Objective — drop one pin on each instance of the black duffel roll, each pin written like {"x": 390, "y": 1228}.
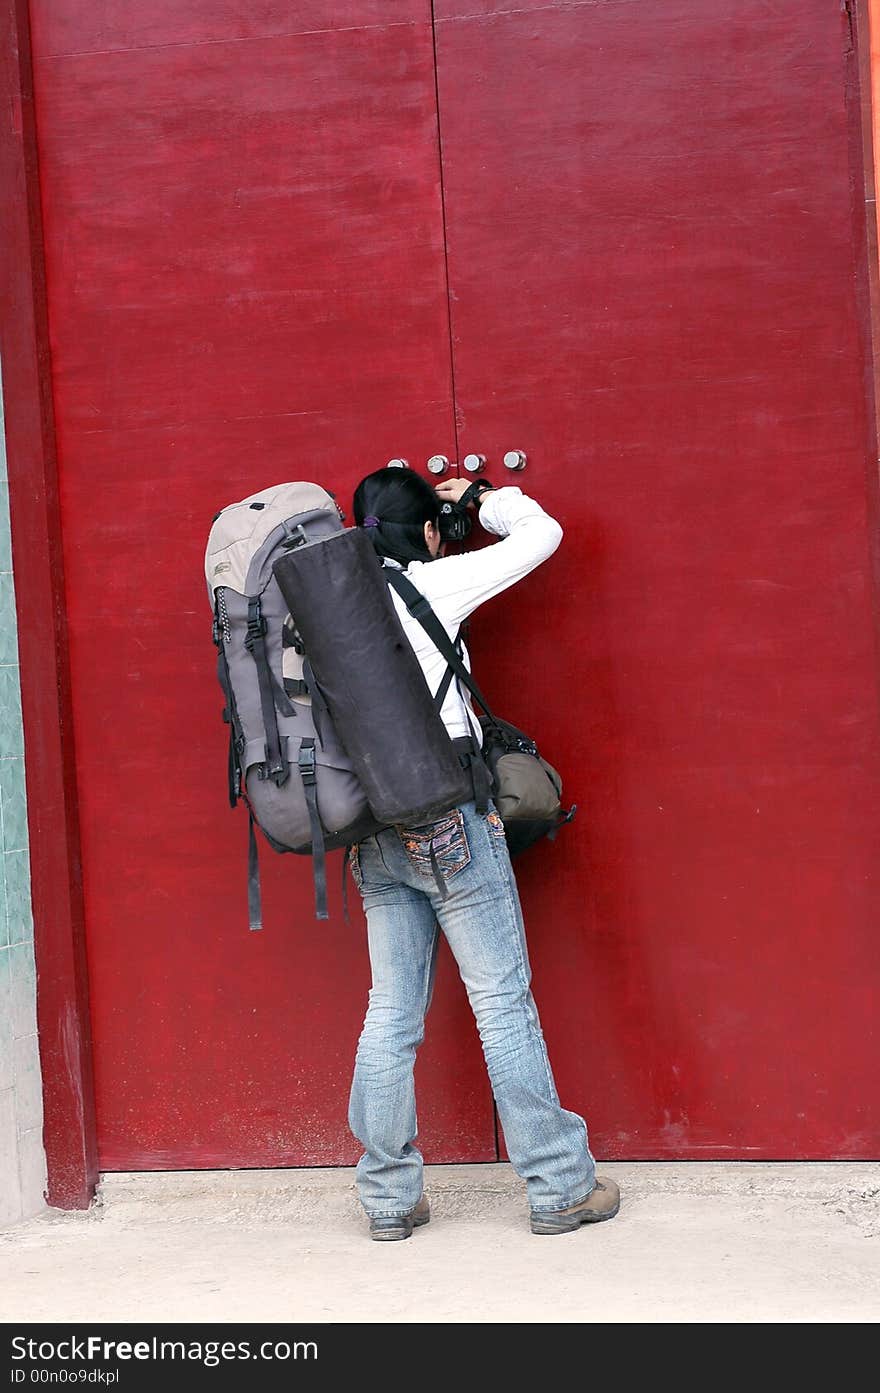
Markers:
{"x": 364, "y": 668}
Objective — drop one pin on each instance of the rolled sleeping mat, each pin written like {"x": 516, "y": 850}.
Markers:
{"x": 366, "y": 671}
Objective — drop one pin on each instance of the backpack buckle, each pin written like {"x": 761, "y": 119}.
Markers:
{"x": 306, "y": 762}
{"x": 256, "y": 624}
{"x": 293, "y": 536}
{"x": 256, "y": 629}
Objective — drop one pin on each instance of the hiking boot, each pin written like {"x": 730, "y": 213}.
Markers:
{"x": 602, "y": 1203}
{"x": 388, "y": 1227}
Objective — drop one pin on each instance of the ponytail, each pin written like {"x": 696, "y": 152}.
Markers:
{"x": 393, "y": 505}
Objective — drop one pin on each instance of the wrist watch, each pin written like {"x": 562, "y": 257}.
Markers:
{"x": 474, "y": 492}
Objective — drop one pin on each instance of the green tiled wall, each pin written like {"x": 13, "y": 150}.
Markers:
{"x": 22, "y": 1163}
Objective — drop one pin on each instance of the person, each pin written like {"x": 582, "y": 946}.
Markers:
{"x": 479, "y": 912}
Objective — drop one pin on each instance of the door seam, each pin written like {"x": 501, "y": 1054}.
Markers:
{"x": 445, "y": 238}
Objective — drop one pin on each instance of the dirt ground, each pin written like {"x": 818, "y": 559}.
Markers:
{"x": 700, "y": 1242}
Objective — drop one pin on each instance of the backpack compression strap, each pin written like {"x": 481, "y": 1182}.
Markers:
{"x": 272, "y": 694}
{"x": 310, "y": 788}
{"x": 255, "y": 899}
{"x": 230, "y": 715}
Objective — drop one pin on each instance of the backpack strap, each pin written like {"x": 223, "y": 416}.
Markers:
{"x": 282, "y": 696}
{"x": 277, "y": 767}
{"x": 230, "y": 712}
{"x": 420, "y": 608}
{"x": 308, "y": 775}
{"x": 255, "y": 907}
{"x": 320, "y": 709}
{"x": 446, "y": 683}
{"x": 234, "y": 775}
{"x": 230, "y": 715}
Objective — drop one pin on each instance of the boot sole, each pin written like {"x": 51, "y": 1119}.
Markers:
{"x": 544, "y": 1223}
{"x": 394, "y": 1235}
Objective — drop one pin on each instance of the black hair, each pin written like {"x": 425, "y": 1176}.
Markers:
{"x": 403, "y": 502}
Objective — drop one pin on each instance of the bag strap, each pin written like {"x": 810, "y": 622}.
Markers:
{"x": 230, "y": 715}
{"x": 230, "y": 711}
{"x": 445, "y": 684}
{"x": 420, "y": 609}
{"x": 320, "y": 709}
{"x": 255, "y": 908}
{"x": 277, "y": 767}
{"x": 308, "y": 775}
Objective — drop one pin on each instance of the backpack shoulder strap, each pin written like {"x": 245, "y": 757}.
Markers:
{"x": 446, "y": 681}
{"x": 420, "y": 608}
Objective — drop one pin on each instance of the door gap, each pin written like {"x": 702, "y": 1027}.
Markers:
{"x": 445, "y": 247}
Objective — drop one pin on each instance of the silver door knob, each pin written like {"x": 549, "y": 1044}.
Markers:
{"x": 397, "y": 464}
{"x": 474, "y": 463}
{"x": 438, "y": 464}
{"x": 515, "y": 459}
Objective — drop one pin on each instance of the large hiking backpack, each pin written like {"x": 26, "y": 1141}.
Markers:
{"x": 311, "y": 783}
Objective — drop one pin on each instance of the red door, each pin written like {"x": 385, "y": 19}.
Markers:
{"x": 654, "y": 253}
{"x": 246, "y": 282}
{"x": 652, "y": 257}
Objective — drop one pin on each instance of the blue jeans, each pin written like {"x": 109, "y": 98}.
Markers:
{"x": 482, "y": 920}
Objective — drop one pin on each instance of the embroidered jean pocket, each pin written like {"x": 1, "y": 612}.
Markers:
{"x": 447, "y": 837}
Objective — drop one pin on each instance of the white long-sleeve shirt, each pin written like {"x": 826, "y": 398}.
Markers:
{"x": 456, "y": 585}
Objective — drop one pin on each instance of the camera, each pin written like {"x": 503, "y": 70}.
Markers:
{"x": 455, "y": 520}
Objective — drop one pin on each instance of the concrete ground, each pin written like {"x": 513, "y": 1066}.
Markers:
{"x": 700, "y": 1242}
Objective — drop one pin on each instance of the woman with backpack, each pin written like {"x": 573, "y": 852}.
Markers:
{"x": 397, "y": 870}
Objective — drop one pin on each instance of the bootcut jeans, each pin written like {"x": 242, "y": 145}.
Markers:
{"x": 482, "y": 920}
